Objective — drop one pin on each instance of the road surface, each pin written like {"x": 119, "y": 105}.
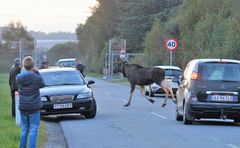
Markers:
{"x": 143, "y": 125}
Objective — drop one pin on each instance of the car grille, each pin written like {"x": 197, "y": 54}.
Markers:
{"x": 62, "y": 98}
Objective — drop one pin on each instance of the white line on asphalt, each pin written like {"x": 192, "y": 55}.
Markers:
{"x": 107, "y": 93}
{"x": 213, "y": 138}
{"x": 233, "y": 146}
{"x": 161, "y": 116}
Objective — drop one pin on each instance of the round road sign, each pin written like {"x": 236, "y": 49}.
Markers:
{"x": 171, "y": 44}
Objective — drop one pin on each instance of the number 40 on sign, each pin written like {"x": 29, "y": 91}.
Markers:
{"x": 171, "y": 44}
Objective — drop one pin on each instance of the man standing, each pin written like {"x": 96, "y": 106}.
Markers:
{"x": 80, "y": 67}
{"x": 45, "y": 65}
{"x": 30, "y": 103}
{"x": 16, "y": 69}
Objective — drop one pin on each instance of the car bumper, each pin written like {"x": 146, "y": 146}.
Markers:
{"x": 214, "y": 110}
{"x": 161, "y": 91}
{"x": 78, "y": 106}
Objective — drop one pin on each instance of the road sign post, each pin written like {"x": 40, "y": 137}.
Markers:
{"x": 171, "y": 44}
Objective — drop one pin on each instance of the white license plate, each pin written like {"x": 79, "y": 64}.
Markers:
{"x": 61, "y": 106}
{"x": 221, "y": 98}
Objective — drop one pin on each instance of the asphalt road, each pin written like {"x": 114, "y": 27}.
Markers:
{"x": 143, "y": 125}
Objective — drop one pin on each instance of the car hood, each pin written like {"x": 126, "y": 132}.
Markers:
{"x": 63, "y": 90}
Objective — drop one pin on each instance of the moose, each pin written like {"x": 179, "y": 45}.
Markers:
{"x": 142, "y": 76}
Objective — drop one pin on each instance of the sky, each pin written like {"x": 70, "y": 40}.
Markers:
{"x": 46, "y": 15}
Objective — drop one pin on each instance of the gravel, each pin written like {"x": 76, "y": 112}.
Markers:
{"x": 55, "y": 134}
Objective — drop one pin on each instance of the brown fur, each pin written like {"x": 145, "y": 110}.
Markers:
{"x": 139, "y": 75}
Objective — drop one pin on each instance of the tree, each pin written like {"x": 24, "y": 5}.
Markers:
{"x": 16, "y": 32}
{"x": 61, "y": 51}
{"x": 137, "y": 17}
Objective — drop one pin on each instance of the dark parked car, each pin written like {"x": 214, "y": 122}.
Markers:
{"x": 66, "y": 92}
{"x": 209, "y": 88}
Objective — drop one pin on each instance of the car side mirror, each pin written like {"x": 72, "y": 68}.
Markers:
{"x": 90, "y": 82}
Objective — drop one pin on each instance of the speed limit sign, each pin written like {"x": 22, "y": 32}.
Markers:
{"x": 171, "y": 44}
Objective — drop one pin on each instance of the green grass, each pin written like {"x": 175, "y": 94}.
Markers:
{"x": 9, "y": 132}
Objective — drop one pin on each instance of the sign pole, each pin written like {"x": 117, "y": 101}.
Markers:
{"x": 109, "y": 57}
{"x": 170, "y": 58}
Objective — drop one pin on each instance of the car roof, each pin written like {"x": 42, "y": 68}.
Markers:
{"x": 57, "y": 69}
{"x": 168, "y": 67}
{"x": 70, "y": 59}
{"x": 215, "y": 60}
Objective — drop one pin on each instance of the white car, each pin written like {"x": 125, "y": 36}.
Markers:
{"x": 67, "y": 62}
{"x": 170, "y": 73}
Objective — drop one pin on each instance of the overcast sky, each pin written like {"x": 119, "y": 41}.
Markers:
{"x": 46, "y": 15}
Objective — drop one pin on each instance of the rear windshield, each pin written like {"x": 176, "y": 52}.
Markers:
{"x": 67, "y": 64}
{"x": 220, "y": 71}
{"x": 62, "y": 78}
{"x": 172, "y": 72}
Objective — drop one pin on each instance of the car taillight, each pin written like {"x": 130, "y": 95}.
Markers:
{"x": 194, "y": 75}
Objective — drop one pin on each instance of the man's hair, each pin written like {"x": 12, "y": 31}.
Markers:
{"x": 28, "y": 63}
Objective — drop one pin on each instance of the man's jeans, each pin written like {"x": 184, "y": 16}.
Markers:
{"x": 29, "y": 125}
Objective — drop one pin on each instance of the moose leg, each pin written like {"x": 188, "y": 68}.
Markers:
{"x": 171, "y": 91}
{"x": 131, "y": 94}
{"x": 142, "y": 92}
{"x": 166, "y": 97}
{"x": 167, "y": 88}
{"x": 150, "y": 91}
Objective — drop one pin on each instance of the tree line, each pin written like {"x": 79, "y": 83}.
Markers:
{"x": 204, "y": 29}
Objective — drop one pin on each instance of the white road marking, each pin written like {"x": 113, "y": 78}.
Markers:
{"x": 161, "y": 116}
{"x": 107, "y": 93}
{"x": 233, "y": 146}
{"x": 213, "y": 138}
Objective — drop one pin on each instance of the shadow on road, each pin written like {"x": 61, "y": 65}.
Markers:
{"x": 215, "y": 123}
{"x": 58, "y": 118}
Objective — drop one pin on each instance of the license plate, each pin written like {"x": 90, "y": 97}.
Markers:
{"x": 221, "y": 98}
{"x": 61, "y": 106}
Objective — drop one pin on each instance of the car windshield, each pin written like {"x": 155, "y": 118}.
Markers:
{"x": 220, "y": 71}
{"x": 62, "y": 78}
{"x": 172, "y": 72}
{"x": 67, "y": 64}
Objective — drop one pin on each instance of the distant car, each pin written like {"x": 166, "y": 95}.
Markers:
{"x": 66, "y": 92}
{"x": 66, "y": 62}
{"x": 209, "y": 89}
{"x": 170, "y": 73}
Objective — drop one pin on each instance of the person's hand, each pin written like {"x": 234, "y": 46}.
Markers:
{"x": 35, "y": 70}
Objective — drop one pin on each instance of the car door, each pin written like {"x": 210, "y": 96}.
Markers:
{"x": 184, "y": 85}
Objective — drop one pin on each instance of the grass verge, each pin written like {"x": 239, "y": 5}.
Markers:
{"x": 9, "y": 132}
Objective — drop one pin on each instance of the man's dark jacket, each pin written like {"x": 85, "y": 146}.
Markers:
{"x": 12, "y": 78}
{"x": 29, "y": 84}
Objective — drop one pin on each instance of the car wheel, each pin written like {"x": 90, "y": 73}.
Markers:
{"x": 186, "y": 115}
{"x": 92, "y": 113}
{"x": 178, "y": 116}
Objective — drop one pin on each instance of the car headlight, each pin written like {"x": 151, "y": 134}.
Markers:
{"x": 84, "y": 95}
{"x": 43, "y": 99}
